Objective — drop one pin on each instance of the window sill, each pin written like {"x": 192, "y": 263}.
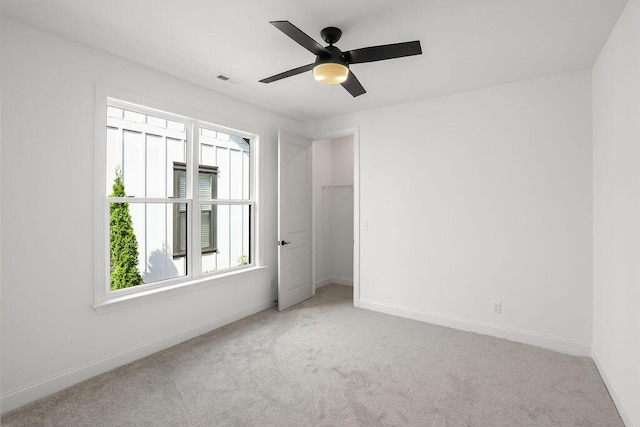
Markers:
{"x": 154, "y": 294}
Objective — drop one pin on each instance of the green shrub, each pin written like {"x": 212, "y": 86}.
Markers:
{"x": 123, "y": 245}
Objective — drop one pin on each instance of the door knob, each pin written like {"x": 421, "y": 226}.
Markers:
{"x": 282, "y": 243}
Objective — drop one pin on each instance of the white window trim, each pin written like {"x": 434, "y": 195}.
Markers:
{"x": 105, "y": 300}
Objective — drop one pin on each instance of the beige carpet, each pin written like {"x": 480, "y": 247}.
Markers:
{"x": 325, "y": 363}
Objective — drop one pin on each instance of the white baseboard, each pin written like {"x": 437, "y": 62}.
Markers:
{"x": 613, "y": 391}
{"x": 31, "y": 392}
{"x": 560, "y": 344}
{"x": 336, "y": 280}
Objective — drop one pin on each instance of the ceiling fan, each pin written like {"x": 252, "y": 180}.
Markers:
{"x": 332, "y": 65}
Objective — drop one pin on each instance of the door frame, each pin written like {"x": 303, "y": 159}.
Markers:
{"x": 355, "y": 134}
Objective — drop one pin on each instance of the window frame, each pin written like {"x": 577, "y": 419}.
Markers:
{"x": 106, "y": 300}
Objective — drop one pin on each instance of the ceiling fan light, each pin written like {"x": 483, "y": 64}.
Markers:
{"x": 330, "y": 73}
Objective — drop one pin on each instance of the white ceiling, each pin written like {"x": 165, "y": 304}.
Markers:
{"x": 467, "y": 44}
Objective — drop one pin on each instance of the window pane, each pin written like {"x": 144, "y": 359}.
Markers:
{"x": 156, "y": 121}
{"x": 231, "y": 235}
{"x": 134, "y": 117}
{"x": 230, "y": 153}
{"x": 181, "y": 237}
{"x": 205, "y": 228}
{"x": 205, "y": 185}
{"x": 156, "y": 166}
{"x": 133, "y": 162}
{"x": 181, "y": 187}
{"x": 141, "y": 242}
{"x": 176, "y": 155}
{"x": 180, "y": 218}
{"x": 175, "y": 126}
{"x": 114, "y": 157}
{"x": 143, "y": 148}
{"x": 208, "y": 133}
{"x": 114, "y": 112}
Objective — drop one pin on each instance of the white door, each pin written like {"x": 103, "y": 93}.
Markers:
{"x": 294, "y": 220}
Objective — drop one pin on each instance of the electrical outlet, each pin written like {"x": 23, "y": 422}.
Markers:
{"x": 273, "y": 283}
{"x": 496, "y": 306}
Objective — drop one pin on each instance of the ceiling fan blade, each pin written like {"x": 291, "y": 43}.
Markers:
{"x": 289, "y": 73}
{"x": 353, "y": 86}
{"x": 300, "y": 37}
{"x": 379, "y": 53}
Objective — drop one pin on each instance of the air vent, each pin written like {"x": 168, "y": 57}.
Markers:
{"x": 227, "y": 79}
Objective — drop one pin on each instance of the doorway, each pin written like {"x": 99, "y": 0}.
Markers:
{"x": 333, "y": 211}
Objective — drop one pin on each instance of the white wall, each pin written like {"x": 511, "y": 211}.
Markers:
{"x": 342, "y": 161}
{"x": 616, "y": 132}
{"x": 481, "y": 196}
{"x": 51, "y": 335}
{"x": 333, "y": 211}
{"x": 321, "y": 153}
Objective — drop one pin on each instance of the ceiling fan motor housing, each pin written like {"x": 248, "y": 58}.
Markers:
{"x": 335, "y": 58}
{"x": 331, "y": 35}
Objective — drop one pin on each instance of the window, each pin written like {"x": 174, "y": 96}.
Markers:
{"x": 207, "y": 189}
{"x": 178, "y": 199}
